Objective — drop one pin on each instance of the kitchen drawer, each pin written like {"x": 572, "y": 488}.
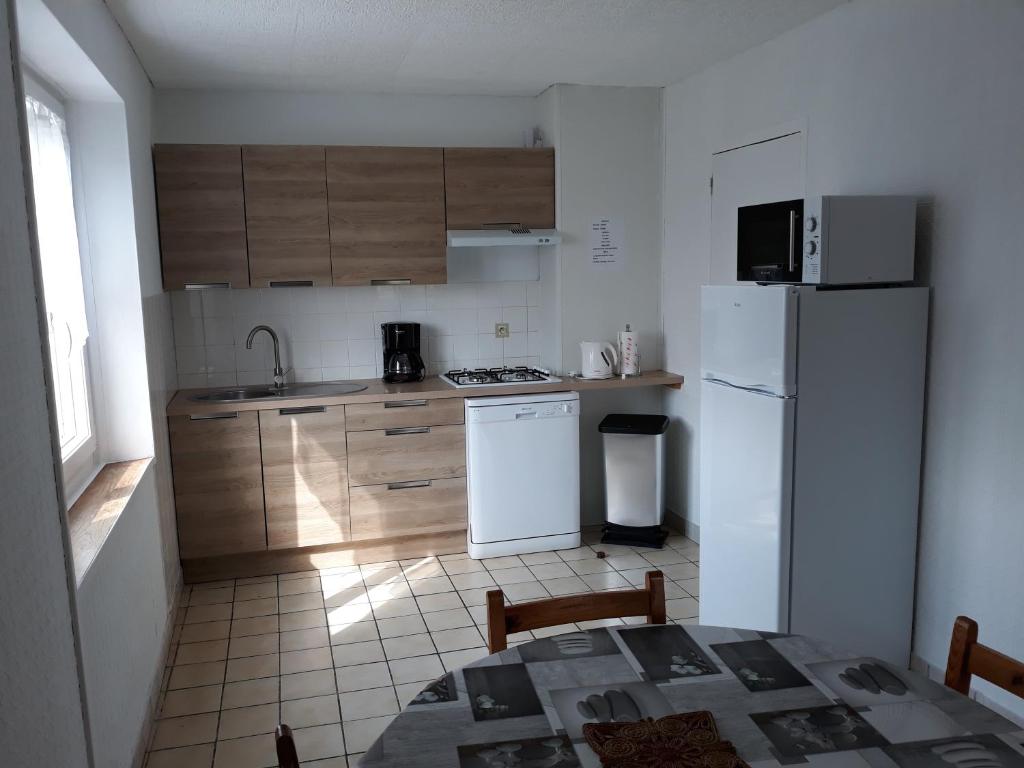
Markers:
{"x": 404, "y": 413}
{"x": 406, "y": 453}
{"x": 406, "y": 509}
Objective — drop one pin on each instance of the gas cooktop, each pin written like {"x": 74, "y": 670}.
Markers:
{"x": 493, "y": 377}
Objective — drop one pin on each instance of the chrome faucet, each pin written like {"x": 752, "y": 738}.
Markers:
{"x": 278, "y": 370}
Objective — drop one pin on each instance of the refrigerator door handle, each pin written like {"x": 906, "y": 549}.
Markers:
{"x": 754, "y": 390}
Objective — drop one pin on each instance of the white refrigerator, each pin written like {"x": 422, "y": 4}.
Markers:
{"x": 810, "y": 453}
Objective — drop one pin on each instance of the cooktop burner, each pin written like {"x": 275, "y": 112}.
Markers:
{"x": 484, "y": 377}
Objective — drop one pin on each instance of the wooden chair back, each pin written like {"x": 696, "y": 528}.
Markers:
{"x": 504, "y": 620}
{"x": 968, "y": 657}
{"x": 286, "y": 756}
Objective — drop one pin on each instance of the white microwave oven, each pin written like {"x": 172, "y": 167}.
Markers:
{"x": 827, "y": 240}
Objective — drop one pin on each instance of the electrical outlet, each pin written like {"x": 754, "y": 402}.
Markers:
{"x": 501, "y": 331}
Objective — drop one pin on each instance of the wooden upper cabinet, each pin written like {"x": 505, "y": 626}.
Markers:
{"x": 485, "y": 187}
{"x": 201, "y": 212}
{"x": 286, "y": 215}
{"x": 387, "y": 214}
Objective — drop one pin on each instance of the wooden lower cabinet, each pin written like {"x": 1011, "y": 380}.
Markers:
{"x": 305, "y": 476}
{"x": 407, "y": 453}
{"x": 218, "y": 484}
{"x": 404, "y": 413}
{"x": 416, "y": 507}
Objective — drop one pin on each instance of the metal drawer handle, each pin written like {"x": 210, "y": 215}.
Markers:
{"x": 392, "y": 281}
{"x": 406, "y": 431}
{"x": 211, "y": 416}
{"x": 404, "y": 403}
{"x": 290, "y": 283}
{"x": 201, "y": 286}
{"x": 302, "y": 409}
{"x": 409, "y": 484}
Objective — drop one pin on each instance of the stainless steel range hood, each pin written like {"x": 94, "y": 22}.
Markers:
{"x": 482, "y": 238}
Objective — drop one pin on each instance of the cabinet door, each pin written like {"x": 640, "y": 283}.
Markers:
{"x": 386, "y": 214}
{"x": 201, "y": 212}
{"x": 305, "y": 476}
{"x": 286, "y": 215}
{"x": 218, "y": 485}
{"x": 411, "y": 508}
{"x": 485, "y": 187}
{"x": 407, "y": 453}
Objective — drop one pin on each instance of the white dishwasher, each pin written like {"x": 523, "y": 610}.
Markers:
{"x": 523, "y": 473}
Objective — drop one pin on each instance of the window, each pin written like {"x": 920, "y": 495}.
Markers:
{"x": 63, "y": 288}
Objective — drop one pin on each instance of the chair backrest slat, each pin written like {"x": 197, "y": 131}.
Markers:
{"x": 968, "y": 657}
{"x": 504, "y": 620}
{"x": 286, "y": 755}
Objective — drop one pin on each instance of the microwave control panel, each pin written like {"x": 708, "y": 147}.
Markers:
{"x": 812, "y": 241}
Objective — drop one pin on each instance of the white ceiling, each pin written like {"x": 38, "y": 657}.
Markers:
{"x": 500, "y": 47}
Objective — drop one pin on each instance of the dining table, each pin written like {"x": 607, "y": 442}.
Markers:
{"x": 776, "y": 699}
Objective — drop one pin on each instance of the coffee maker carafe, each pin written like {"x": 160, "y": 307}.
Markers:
{"x": 402, "y": 359}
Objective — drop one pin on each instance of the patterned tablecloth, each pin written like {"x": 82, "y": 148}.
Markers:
{"x": 780, "y": 699}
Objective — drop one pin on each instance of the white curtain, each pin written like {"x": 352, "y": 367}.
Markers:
{"x": 55, "y": 220}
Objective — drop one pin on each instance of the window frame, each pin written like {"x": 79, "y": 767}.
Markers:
{"x": 82, "y": 463}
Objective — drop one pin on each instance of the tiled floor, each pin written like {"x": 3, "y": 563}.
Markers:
{"x": 336, "y": 653}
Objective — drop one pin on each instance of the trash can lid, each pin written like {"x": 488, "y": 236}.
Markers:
{"x": 634, "y": 424}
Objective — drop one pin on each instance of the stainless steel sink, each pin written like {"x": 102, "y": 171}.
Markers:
{"x": 288, "y": 392}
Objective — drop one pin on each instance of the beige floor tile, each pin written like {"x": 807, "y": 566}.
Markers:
{"x": 303, "y": 639}
{"x": 433, "y": 585}
{"x": 201, "y": 613}
{"x": 683, "y": 608}
{"x": 559, "y": 629}
{"x": 673, "y": 591}
{"x": 408, "y": 645}
{"x": 661, "y": 557}
{"x": 248, "y": 693}
{"x": 249, "y": 752}
{"x": 248, "y": 721}
{"x": 185, "y": 731}
{"x": 516, "y": 575}
{"x": 264, "y": 606}
{"x": 296, "y": 575}
{"x": 680, "y": 571}
{"x": 304, "y": 602}
{"x": 360, "y": 734}
{"x": 317, "y": 710}
{"x": 254, "y": 645}
{"x": 256, "y": 580}
{"x": 456, "y": 639}
{"x": 303, "y": 620}
{"x": 338, "y": 569}
{"x": 526, "y": 590}
{"x": 192, "y": 675}
{"x": 357, "y": 653}
{"x": 473, "y": 580}
{"x": 456, "y": 567}
{"x": 405, "y": 692}
{"x": 196, "y": 653}
{"x": 391, "y": 590}
{"x": 539, "y": 558}
{"x": 453, "y": 660}
{"x": 442, "y": 601}
{"x": 382, "y": 575}
{"x": 261, "y": 590}
{"x": 606, "y": 580}
{"x": 200, "y": 756}
{"x": 212, "y": 596}
{"x": 570, "y": 585}
{"x": 628, "y": 562}
{"x": 450, "y": 619}
{"x": 257, "y": 625}
{"x": 496, "y": 563}
{"x": 191, "y": 701}
{"x": 363, "y": 676}
{"x": 414, "y": 560}
{"x": 350, "y": 596}
{"x": 557, "y": 570}
{"x": 423, "y": 569}
{"x": 453, "y": 556}
{"x": 636, "y": 577}
{"x": 213, "y": 584}
{"x": 479, "y": 614}
{"x": 359, "y": 705}
{"x": 475, "y": 597}
{"x": 349, "y": 614}
{"x": 319, "y": 741}
{"x": 305, "y": 685}
{"x": 253, "y": 668}
{"x": 299, "y": 586}
{"x": 334, "y": 582}
{"x": 692, "y": 586}
{"x": 416, "y": 669}
{"x": 590, "y": 565}
{"x": 306, "y": 661}
{"x": 390, "y": 608}
{"x": 360, "y": 632}
{"x": 580, "y": 553}
{"x": 403, "y": 625}
{"x": 208, "y": 630}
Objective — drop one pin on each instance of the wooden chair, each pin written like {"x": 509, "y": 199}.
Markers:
{"x": 286, "y": 755}
{"x": 503, "y": 620}
{"x": 969, "y": 657}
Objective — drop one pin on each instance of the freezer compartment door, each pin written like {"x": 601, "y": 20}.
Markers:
{"x": 746, "y": 450}
{"x": 749, "y": 335}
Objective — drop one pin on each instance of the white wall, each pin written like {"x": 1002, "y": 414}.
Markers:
{"x": 920, "y": 97}
{"x": 40, "y": 708}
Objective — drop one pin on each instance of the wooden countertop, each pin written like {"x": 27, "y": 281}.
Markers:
{"x": 430, "y": 388}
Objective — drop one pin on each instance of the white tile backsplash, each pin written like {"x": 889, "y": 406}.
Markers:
{"x": 334, "y": 333}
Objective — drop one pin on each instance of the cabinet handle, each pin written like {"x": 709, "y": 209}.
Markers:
{"x": 404, "y": 403}
{"x": 302, "y": 409}
{"x": 409, "y": 484}
{"x": 392, "y": 281}
{"x": 290, "y": 283}
{"x": 201, "y": 286}
{"x": 211, "y": 416}
{"x": 406, "y": 431}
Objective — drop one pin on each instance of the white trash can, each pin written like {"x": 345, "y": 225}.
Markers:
{"x": 634, "y": 479}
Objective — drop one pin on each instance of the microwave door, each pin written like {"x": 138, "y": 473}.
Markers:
{"x": 769, "y": 242}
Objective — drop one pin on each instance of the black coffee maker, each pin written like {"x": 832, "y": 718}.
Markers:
{"x": 402, "y": 360}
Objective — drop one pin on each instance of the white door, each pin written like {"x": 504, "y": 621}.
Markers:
{"x": 766, "y": 172}
{"x": 745, "y": 509}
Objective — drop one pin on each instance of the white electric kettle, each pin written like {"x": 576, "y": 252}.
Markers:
{"x": 599, "y": 360}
